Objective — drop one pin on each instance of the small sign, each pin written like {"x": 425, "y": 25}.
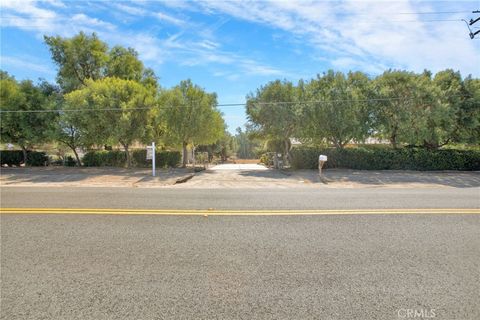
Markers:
{"x": 322, "y": 158}
{"x": 149, "y": 153}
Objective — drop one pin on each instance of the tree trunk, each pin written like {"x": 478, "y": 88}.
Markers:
{"x": 393, "y": 141}
{"x": 79, "y": 163}
{"x": 393, "y": 137}
{"x": 287, "y": 152}
{"x": 24, "y": 150}
{"x": 125, "y": 147}
{"x": 184, "y": 153}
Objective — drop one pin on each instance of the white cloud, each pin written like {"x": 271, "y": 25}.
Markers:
{"x": 28, "y": 15}
{"x": 366, "y": 35}
{"x": 55, "y": 3}
{"x": 167, "y": 18}
{"x": 134, "y": 11}
{"x": 139, "y": 12}
{"x": 82, "y": 19}
{"x": 25, "y": 62}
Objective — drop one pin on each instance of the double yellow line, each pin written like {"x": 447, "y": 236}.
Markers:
{"x": 214, "y": 212}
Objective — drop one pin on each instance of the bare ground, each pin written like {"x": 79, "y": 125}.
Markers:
{"x": 234, "y": 176}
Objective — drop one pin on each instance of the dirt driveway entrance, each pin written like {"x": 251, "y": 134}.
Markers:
{"x": 242, "y": 176}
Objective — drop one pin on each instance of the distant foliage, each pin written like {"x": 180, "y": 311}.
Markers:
{"x": 383, "y": 158}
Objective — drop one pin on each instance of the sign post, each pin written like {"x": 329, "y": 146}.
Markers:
{"x": 151, "y": 156}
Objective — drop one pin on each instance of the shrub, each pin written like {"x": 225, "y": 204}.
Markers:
{"x": 139, "y": 158}
{"x": 11, "y": 157}
{"x": 169, "y": 159}
{"x": 118, "y": 158}
{"x": 36, "y": 159}
{"x": 15, "y": 157}
{"x": 70, "y": 162}
{"x": 113, "y": 158}
{"x": 386, "y": 159}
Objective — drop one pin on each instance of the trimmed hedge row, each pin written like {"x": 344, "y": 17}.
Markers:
{"x": 118, "y": 158}
{"x": 387, "y": 159}
{"x": 15, "y": 157}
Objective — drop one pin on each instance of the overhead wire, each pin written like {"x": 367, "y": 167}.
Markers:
{"x": 220, "y": 105}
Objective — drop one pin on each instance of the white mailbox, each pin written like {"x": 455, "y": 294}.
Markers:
{"x": 321, "y": 160}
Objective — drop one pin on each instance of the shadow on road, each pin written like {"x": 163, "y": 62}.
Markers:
{"x": 461, "y": 179}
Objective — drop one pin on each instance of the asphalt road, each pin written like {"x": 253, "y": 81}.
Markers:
{"x": 76, "y": 266}
{"x": 232, "y": 267}
{"x": 295, "y": 198}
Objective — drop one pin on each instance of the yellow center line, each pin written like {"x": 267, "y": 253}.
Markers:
{"x": 113, "y": 211}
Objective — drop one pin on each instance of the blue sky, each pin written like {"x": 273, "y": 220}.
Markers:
{"x": 233, "y": 47}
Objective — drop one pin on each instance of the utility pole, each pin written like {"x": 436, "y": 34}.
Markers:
{"x": 471, "y": 23}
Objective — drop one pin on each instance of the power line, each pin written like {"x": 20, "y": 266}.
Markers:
{"x": 223, "y": 105}
{"x": 432, "y": 12}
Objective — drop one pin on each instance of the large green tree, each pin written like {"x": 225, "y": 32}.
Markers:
{"x": 27, "y": 116}
{"x": 124, "y": 63}
{"x": 336, "y": 108}
{"x": 272, "y": 113}
{"x": 111, "y": 110}
{"x": 84, "y": 57}
{"x": 79, "y": 58}
{"x": 468, "y": 116}
{"x": 396, "y": 94}
{"x": 187, "y": 115}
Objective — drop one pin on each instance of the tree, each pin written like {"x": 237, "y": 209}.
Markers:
{"x": 78, "y": 58}
{"x": 69, "y": 133}
{"x": 468, "y": 116}
{"x": 24, "y": 127}
{"x": 460, "y": 112}
{"x": 336, "y": 108}
{"x": 111, "y": 110}
{"x": 124, "y": 63}
{"x": 245, "y": 146}
{"x": 396, "y": 94}
{"x": 432, "y": 120}
{"x": 272, "y": 114}
{"x": 221, "y": 148}
{"x": 187, "y": 115}
{"x": 84, "y": 57}
{"x": 427, "y": 112}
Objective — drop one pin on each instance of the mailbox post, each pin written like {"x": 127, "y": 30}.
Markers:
{"x": 321, "y": 160}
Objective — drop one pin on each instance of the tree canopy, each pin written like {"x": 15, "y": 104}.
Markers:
{"x": 84, "y": 57}
{"x": 188, "y": 116}
{"x": 27, "y": 125}
{"x": 112, "y": 110}
{"x": 405, "y": 108}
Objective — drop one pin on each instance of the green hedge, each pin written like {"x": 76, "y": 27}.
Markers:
{"x": 15, "y": 157}
{"x": 387, "y": 159}
{"x": 117, "y": 158}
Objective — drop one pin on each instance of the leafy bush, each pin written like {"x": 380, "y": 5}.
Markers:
{"x": 104, "y": 159}
{"x": 118, "y": 158}
{"x": 139, "y": 158}
{"x": 11, "y": 157}
{"x": 36, "y": 159}
{"x": 15, "y": 157}
{"x": 387, "y": 159}
{"x": 70, "y": 162}
{"x": 169, "y": 159}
